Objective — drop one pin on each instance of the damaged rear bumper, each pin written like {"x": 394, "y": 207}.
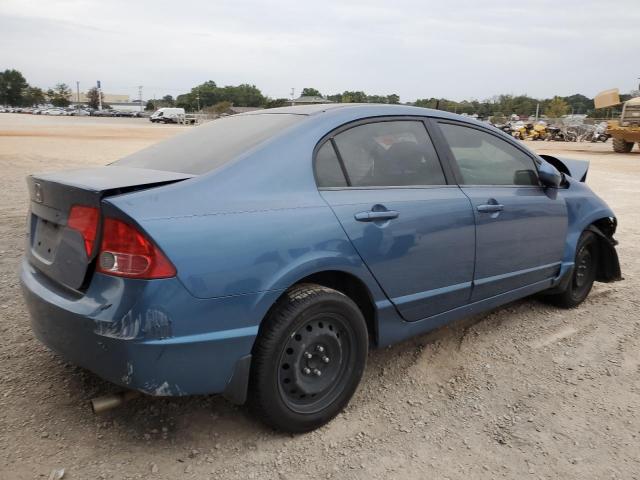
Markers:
{"x": 150, "y": 336}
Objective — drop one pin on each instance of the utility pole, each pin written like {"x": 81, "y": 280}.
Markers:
{"x": 77, "y": 94}
{"x": 99, "y": 96}
{"x": 293, "y": 94}
{"x": 140, "y": 96}
{"x": 198, "y": 99}
{"x": 537, "y": 110}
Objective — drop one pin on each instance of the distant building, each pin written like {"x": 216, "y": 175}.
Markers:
{"x": 310, "y": 100}
{"x": 114, "y": 100}
{"x": 106, "y": 98}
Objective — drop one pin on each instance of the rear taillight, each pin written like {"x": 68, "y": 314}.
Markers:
{"x": 126, "y": 252}
{"x": 85, "y": 220}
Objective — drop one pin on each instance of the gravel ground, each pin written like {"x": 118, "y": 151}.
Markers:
{"x": 526, "y": 391}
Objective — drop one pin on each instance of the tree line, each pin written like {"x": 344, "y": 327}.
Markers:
{"x": 208, "y": 96}
{"x": 16, "y": 92}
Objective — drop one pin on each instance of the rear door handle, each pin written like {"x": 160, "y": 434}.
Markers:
{"x": 490, "y": 208}
{"x": 376, "y": 216}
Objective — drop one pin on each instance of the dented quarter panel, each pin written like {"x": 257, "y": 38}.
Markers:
{"x": 106, "y": 331}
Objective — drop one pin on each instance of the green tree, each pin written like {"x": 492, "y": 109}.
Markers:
{"x": 426, "y": 102}
{"x": 310, "y": 92}
{"x": 222, "y": 107}
{"x": 209, "y": 94}
{"x": 12, "y": 87}
{"x": 556, "y": 108}
{"x": 93, "y": 98}
{"x": 33, "y": 96}
{"x": 168, "y": 101}
{"x": 354, "y": 97}
{"x": 243, "y": 95}
{"x": 377, "y": 99}
{"x": 579, "y": 103}
{"x": 59, "y": 95}
{"x": 276, "y": 102}
{"x": 393, "y": 98}
{"x": 150, "y": 106}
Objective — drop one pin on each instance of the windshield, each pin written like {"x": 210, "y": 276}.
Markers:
{"x": 211, "y": 145}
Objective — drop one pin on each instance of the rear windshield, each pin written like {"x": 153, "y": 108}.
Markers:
{"x": 211, "y": 145}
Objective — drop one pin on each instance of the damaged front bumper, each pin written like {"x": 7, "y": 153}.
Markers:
{"x": 150, "y": 336}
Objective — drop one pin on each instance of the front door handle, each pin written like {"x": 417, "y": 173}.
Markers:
{"x": 490, "y": 208}
{"x": 375, "y": 216}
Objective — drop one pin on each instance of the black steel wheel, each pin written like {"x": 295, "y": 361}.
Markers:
{"x": 584, "y": 273}
{"x": 308, "y": 359}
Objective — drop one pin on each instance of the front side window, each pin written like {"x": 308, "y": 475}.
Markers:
{"x": 484, "y": 159}
{"x": 394, "y": 153}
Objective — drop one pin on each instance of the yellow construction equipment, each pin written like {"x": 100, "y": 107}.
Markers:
{"x": 625, "y": 131}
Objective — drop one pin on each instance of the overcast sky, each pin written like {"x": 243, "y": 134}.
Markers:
{"x": 458, "y": 49}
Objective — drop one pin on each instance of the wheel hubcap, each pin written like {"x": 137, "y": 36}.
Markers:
{"x": 313, "y": 363}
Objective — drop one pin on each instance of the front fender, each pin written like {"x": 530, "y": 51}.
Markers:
{"x": 576, "y": 169}
{"x": 584, "y": 210}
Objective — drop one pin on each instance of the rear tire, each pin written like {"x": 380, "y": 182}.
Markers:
{"x": 308, "y": 359}
{"x": 622, "y": 146}
{"x": 584, "y": 273}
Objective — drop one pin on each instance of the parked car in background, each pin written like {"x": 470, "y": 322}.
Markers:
{"x": 104, "y": 113}
{"x": 167, "y": 115}
{"x": 54, "y": 111}
{"x": 261, "y": 255}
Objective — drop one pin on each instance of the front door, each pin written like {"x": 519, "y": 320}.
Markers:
{"x": 521, "y": 226}
{"x": 415, "y": 232}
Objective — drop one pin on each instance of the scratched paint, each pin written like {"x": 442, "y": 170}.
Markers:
{"x": 152, "y": 323}
{"x": 126, "y": 378}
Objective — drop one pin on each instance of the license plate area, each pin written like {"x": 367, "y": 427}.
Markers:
{"x": 45, "y": 239}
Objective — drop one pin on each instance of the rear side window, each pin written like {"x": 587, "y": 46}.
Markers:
{"x": 328, "y": 170}
{"x": 395, "y": 153}
{"x": 211, "y": 145}
{"x": 484, "y": 159}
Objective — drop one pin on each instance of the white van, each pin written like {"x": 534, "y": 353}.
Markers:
{"x": 167, "y": 115}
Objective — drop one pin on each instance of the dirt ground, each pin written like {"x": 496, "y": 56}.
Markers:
{"x": 526, "y": 391}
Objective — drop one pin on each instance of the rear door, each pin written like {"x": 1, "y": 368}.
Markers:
{"x": 521, "y": 226}
{"x": 415, "y": 232}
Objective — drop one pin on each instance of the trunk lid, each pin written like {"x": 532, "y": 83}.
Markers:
{"x": 59, "y": 251}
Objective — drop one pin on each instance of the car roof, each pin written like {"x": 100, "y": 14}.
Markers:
{"x": 374, "y": 109}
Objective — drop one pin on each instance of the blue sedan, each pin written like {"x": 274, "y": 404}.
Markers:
{"x": 260, "y": 256}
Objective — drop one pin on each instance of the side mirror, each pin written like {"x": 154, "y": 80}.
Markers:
{"x": 549, "y": 176}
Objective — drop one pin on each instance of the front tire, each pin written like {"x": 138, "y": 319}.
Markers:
{"x": 308, "y": 359}
{"x": 622, "y": 146}
{"x": 584, "y": 273}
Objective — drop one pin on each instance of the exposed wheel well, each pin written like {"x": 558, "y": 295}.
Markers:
{"x": 608, "y": 269}
{"x": 352, "y": 287}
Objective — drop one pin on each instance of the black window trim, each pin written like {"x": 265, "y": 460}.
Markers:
{"x": 448, "y": 173}
{"x": 446, "y": 150}
{"x": 338, "y": 155}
